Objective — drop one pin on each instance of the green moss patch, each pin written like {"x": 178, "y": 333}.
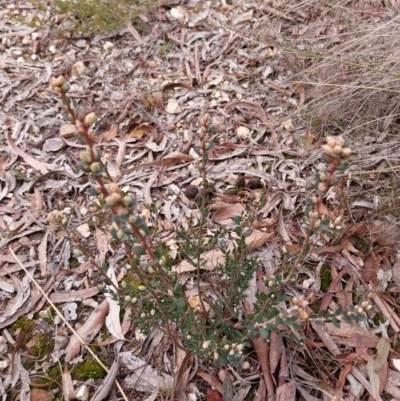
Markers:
{"x": 89, "y": 369}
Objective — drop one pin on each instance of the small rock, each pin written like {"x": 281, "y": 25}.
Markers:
{"x": 177, "y": 13}
{"x": 53, "y": 145}
{"x": 61, "y": 341}
{"x": 172, "y": 106}
{"x": 247, "y": 15}
{"x": 68, "y": 130}
{"x": 81, "y": 43}
{"x": 243, "y": 133}
{"x": 108, "y": 46}
{"x": 78, "y": 69}
{"x": 82, "y": 393}
{"x": 197, "y": 181}
{"x": 52, "y": 49}
{"x": 288, "y": 125}
{"x": 57, "y": 320}
{"x": 84, "y": 230}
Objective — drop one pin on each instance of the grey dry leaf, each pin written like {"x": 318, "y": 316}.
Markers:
{"x": 113, "y": 323}
{"x": 114, "y": 171}
{"x": 53, "y": 145}
{"x": 144, "y": 377}
{"x": 103, "y": 391}
{"x": 36, "y": 164}
{"x": 14, "y": 305}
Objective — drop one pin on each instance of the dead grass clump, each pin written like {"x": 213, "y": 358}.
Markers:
{"x": 353, "y": 81}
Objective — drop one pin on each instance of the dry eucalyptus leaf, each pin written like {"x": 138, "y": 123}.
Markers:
{"x": 111, "y": 133}
{"x": 257, "y": 239}
{"x": 228, "y": 212}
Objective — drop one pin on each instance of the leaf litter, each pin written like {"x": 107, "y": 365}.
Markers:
{"x": 229, "y": 62}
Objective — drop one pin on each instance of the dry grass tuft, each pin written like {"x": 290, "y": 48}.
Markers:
{"x": 352, "y": 82}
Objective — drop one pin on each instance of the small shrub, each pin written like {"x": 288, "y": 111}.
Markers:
{"x": 210, "y": 325}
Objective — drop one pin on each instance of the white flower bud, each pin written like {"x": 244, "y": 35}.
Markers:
{"x": 331, "y": 141}
{"x": 322, "y": 187}
{"x": 337, "y": 150}
{"x": 340, "y": 141}
{"x": 337, "y": 220}
{"x": 206, "y": 344}
{"x": 328, "y": 150}
{"x": 346, "y": 152}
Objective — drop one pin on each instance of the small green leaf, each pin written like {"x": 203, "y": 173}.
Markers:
{"x": 264, "y": 334}
{"x": 92, "y": 191}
